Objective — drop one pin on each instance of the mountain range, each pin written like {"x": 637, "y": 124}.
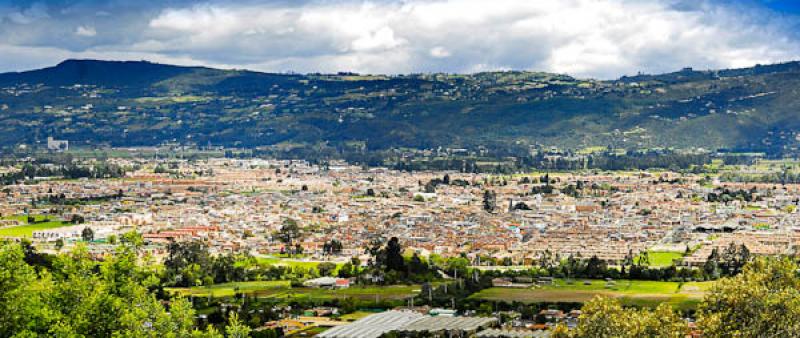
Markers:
{"x": 115, "y": 103}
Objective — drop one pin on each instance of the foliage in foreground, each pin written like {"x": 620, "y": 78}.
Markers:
{"x": 762, "y": 301}
{"x": 73, "y": 295}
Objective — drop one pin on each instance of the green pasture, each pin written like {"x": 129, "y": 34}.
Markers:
{"x": 283, "y": 290}
{"x": 630, "y": 292}
{"x": 25, "y": 230}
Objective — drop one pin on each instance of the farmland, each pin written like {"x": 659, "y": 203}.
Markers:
{"x": 292, "y": 262}
{"x": 283, "y": 290}
{"x": 638, "y": 293}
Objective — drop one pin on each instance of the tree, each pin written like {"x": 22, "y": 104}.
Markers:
{"x": 595, "y": 267}
{"x": 224, "y": 269}
{"x": 489, "y": 201}
{"x": 77, "y": 219}
{"x": 332, "y": 247}
{"x": 734, "y": 259}
{"x": 346, "y": 271}
{"x": 356, "y": 262}
{"x": 326, "y": 268}
{"x": 87, "y": 234}
{"x": 289, "y": 233}
{"x": 394, "y": 255}
{"x": 81, "y": 297}
{"x": 235, "y": 328}
{"x": 430, "y": 187}
{"x": 711, "y": 266}
{"x": 187, "y": 263}
{"x": 417, "y": 267}
{"x": 604, "y": 317}
{"x": 762, "y": 301}
{"x": 644, "y": 259}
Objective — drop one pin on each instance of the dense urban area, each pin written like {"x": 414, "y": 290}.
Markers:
{"x": 184, "y": 241}
{"x": 400, "y": 169}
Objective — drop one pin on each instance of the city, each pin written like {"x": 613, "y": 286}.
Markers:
{"x": 399, "y": 168}
{"x": 313, "y": 238}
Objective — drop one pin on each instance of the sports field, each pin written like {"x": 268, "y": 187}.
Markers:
{"x": 639, "y": 293}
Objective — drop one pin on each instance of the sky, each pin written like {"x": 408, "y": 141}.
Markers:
{"x": 601, "y": 39}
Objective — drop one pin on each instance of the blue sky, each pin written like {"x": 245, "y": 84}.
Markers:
{"x": 787, "y": 6}
{"x": 587, "y": 38}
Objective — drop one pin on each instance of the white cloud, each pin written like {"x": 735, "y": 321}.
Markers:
{"x": 440, "y": 52}
{"x": 594, "y": 38}
{"x": 86, "y": 31}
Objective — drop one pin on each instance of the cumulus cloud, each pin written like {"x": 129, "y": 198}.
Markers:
{"x": 589, "y": 38}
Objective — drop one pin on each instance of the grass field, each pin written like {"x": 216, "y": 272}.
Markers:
{"x": 308, "y": 332}
{"x": 292, "y": 262}
{"x": 662, "y": 258}
{"x": 637, "y": 293}
{"x": 282, "y": 289}
{"x": 355, "y": 315}
{"x": 26, "y": 230}
{"x": 229, "y": 289}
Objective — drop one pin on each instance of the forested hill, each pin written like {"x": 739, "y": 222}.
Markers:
{"x": 92, "y": 102}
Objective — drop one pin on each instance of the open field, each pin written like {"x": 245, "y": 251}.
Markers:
{"x": 638, "y": 293}
{"x": 662, "y": 258}
{"x": 26, "y": 230}
{"x": 293, "y": 262}
{"x": 229, "y": 289}
{"x": 281, "y": 289}
{"x": 355, "y": 315}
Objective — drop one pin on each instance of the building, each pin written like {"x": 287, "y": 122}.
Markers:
{"x": 57, "y": 145}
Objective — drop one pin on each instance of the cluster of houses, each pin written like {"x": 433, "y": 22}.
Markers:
{"x": 240, "y": 205}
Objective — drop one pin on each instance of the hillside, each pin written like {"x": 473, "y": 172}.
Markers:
{"x": 140, "y": 103}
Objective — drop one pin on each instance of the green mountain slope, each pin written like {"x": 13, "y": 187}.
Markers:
{"x": 141, "y": 103}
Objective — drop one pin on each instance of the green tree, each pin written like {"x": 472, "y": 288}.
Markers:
{"x": 394, "y": 255}
{"x": 489, "y": 201}
{"x": 326, "y": 268}
{"x": 606, "y": 318}
{"x": 87, "y": 234}
{"x": 289, "y": 234}
{"x": 187, "y": 263}
{"x": 80, "y": 297}
{"x": 762, "y": 301}
{"x": 235, "y": 328}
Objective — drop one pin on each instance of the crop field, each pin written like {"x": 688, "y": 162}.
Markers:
{"x": 635, "y": 293}
{"x": 26, "y": 230}
{"x": 282, "y": 290}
